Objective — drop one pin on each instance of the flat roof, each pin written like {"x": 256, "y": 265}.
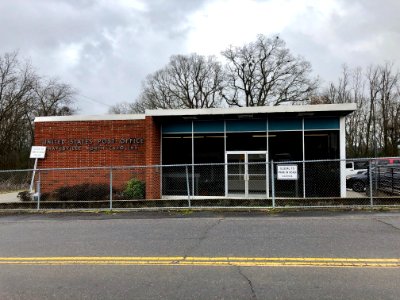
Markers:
{"x": 337, "y": 109}
{"x": 341, "y": 109}
{"x": 118, "y": 117}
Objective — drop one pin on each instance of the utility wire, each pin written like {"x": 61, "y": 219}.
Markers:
{"x": 92, "y": 100}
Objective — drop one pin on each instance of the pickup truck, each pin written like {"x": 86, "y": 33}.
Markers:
{"x": 353, "y": 168}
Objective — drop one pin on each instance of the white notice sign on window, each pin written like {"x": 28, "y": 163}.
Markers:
{"x": 287, "y": 172}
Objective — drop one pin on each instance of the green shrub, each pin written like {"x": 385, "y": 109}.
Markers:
{"x": 135, "y": 189}
{"x": 24, "y": 196}
{"x": 84, "y": 191}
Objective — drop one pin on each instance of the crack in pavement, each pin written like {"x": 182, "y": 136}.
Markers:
{"x": 253, "y": 293}
{"x": 387, "y": 223}
{"x": 203, "y": 237}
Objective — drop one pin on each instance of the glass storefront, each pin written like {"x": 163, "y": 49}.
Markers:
{"x": 246, "y": 146}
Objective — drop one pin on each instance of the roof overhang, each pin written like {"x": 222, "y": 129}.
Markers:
{"x": 77, "y": 118}
{"x": 249, "y": 112}
{"x": 235, "y": 112}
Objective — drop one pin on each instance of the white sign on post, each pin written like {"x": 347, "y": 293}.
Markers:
{"x": 287, "y": 172}
{"x": 38, "y": 152}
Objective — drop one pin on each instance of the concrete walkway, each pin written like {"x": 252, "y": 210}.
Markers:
{"x": 9, "y": 197}
{"x": 352, "y": 194}
{"x": 12, "y": 196}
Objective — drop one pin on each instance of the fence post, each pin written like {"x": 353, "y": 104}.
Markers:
{"x": 111, "y": 187}
{"x": 304, "y": 178}
{"x": 272, "y": 184}
{"x": 371, "y": 198}
{"x": 392, "y": 180}
{"x": 38, "y": 191}
{"x": 188, "y": 186}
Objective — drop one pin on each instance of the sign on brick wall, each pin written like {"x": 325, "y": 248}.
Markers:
{"x": 38, "y": 152}
{"x": 94, "y": 145}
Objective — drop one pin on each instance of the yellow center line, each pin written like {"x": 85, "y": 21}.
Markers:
{"x": 206, "y": 261}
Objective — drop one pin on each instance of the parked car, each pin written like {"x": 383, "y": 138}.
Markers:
{"x": 382, "y": 161}
{"x": 353, "y": 168}
{"x": 357, "y": 182}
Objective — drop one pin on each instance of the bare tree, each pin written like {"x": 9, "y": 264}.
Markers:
{"x": 122, "y": 108}
{"x": 16, "y": 81}
{"x": 24, "y": 95}
{"x": 192, "y": 81}
{"x": 256, "y": 74}
{"x": 374, "y": 128}
{"x": 386, "y": 104}
{"x": 129, "y": 108}
{"x": 266, "y": 73}
{"x": 49, "y": 98}
{"x": 52, "y": 98}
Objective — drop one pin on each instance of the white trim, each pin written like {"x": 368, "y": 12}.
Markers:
{"x": 342, "y": 145}
{"x": 180, "y": 197}
{"x": 193, "y": 183}
{"x": 341, "y": 109}
{"x": 344, "y": 107}
{"x": 267, "y": 163}
{"x": 226, "y": 162}
{"x": 119, "y": 117}
{"x": 304, "y": 158}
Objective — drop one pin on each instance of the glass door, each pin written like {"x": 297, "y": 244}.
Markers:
{"x": 246, "y": 173}
{"x": 236, "y": 173}
{"x": 257, "y": 173}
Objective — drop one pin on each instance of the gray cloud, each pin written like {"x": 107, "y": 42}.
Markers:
{"x": 102, "y": 48}
{"x": 360, "y": 33}
{"x": 106, "y": 48}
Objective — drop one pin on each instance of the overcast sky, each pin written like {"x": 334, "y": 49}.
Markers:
{"x": 105, "y": 48}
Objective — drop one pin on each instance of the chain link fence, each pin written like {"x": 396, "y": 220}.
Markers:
{"x": 276, "y": 184}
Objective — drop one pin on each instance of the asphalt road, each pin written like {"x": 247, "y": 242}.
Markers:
{"x": 48, "y": 239}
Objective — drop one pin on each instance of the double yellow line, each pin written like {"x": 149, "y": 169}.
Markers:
{"x": 206, "y": 261}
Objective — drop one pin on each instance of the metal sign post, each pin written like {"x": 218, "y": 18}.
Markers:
{"x": 33, "y": 176}
{"x": 36, "y": 153}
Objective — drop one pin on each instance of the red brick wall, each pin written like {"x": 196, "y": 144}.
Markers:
{"x": 153, "y": 154}
{"x": 80, "y": 144}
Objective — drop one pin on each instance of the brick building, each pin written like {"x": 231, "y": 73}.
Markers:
{"x": 192, "y": 137}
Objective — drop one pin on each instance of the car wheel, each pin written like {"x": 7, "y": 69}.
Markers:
{"x": 358, "y": 186}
